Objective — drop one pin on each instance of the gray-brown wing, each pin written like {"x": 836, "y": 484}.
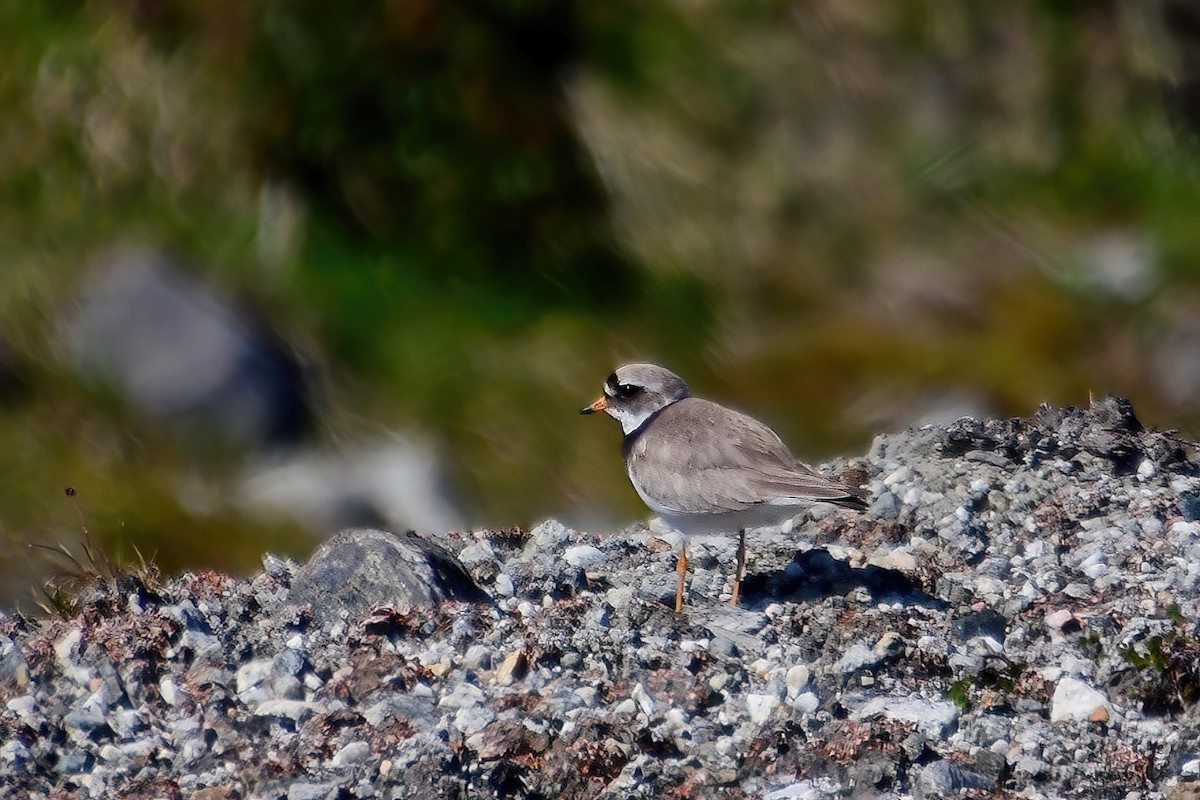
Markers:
{"x": 701, "y": 457}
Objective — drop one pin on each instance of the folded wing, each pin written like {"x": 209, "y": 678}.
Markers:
{"x": 705, "y": 458}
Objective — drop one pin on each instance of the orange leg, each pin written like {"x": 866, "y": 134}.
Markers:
{"x": 681, "y": 568}
{"x": 740, "y": 569}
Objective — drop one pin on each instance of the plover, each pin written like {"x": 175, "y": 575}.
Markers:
{"x": 704, "y": 468}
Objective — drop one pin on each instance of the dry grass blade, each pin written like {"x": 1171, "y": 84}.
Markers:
{"x": 59, "y": 593}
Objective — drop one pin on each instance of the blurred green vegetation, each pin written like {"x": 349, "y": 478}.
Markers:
{"x": 839, "y": 216}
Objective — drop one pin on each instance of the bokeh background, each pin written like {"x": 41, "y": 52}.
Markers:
{"x": 273, "y": 267}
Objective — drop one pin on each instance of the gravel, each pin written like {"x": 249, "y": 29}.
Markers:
{"x": 1016, "y": 616}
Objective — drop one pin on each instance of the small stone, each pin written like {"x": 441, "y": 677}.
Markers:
{"x": 303, "y": 790}
{"x": 23, "y": 707}
{"x": 643, "y": 699}
{"x": 626, "y": 706}
{"x": 944, "y": 779}
{"x": 465, "y": 695}
{"x": 1077, "y": 590}
{"x": 890, "y": 644}
{"x": 251, "y": 679}
{"x": 289, "y": 709}
{"x": 65, "y": 647}
{"x": 899, "y": 559}
{"x": 1057, "y": 620}
{"x": 1075, "y": 700}
{"x": 275, "y": 566}
{"x": 547, "y": 537}
{"x": 289, "y": 662}
{"x": 126, "y": 722}
{"x": 504, "y": 585}
{"x": 1189, "y": 505}
{"x": 886, "y": 506}
{"x": 88, "y": 718}
{"x": 477, "y": 657}
{"x": 512, "y": 668}
{"x": 936, "y": 719}
{"x": 761, "y": 707}
{"x": 475, "y": 556}
{"x": 619, "y": 597}
{"x": 14, "y": 669}
{"x": 472, "y": 720}
{"x": 797, "y": 677}
{"x": 806, "y": 703}
{"x": 856, "y": 657}
{"x": 66, "y": 650}
{"x": 761, "y": 667}
{"x": 584, "y": 556}
{"x": 352, "y": 753}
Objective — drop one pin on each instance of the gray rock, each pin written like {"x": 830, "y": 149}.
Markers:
{"x": 14, "y": 669}
{"x": 278, "y": 567}
{"x": 583, "y": 556}
{"x": 15, "y": 753}
{"x": 288, "y": 662}
{"x": 177, "y": 351}
{"x": 943, "y": 780}
{"x": 806, "y": 703}
{"x": 857, "y": 657}
{"x": 350, "y": 754}
{"x": 936, "y": 719}
{"x": 359, "y": 569}
{"x": 304, "y": 790}
{"x": 295, "y": 710}
{"x": 504, "y": 585}
{"x": 886, "y": 506}
{"x": 252, "y": 681}
{"x": 86, "y": 721}
{"x": 126, "y": 722}
{"x": 477, "y": 657}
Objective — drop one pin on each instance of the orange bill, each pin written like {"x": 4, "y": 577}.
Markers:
{"x": 600, "y": 404}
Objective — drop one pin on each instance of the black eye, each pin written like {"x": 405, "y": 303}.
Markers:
{"x": 627, "y": 390}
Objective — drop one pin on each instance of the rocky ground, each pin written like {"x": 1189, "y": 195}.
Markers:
{"x": 1015, "y": 616}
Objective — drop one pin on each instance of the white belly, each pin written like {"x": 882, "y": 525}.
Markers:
{"x": 765, "y": 515}
{"x": 757, "y": 517}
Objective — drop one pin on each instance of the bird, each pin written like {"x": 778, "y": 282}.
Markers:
{"x": 704, "y": 468}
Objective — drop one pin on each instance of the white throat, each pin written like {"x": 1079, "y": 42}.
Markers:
{"x": 630, "y": 420}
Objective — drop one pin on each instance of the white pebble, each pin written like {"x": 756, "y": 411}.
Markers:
{"x": 583, "y": 556}
{"x": 761, "y": 707}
